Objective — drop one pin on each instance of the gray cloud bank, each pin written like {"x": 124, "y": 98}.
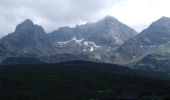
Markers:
{"x": 51, "y": 14}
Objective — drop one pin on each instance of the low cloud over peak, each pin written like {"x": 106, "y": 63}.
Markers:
{"x": 52, "y": 14}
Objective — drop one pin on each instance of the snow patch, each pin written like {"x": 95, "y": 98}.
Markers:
{"x": 141, "y": 46}
{"x": 153, "y": 46}
{"x": 94, "y": 45}
{"x": 63, "y": 43}
{"x": 84, "y": 50}
{"x": 78, "y": 41}
{"x": 89, "y": 43}
{"x": 91, "y": 49}
{"x": 25, "y": 51}
{"x": 118, "y": 40}
{"x": 86, "y": 43}
{"x": 108, "y": 50}
{"x": 161, "y": 45}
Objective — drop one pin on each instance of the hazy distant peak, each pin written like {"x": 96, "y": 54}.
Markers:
{"x": 28, "y": 21}
{"x": 164, "y": 18}
{"x": 25, "y": 26}
{"x": 28, "y": 26}
{"x": 162, "y": 23}
{"x": 109, "y": 21}
{"x": 109, "y": 18}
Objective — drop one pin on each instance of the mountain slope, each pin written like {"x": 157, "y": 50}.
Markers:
{"x": 107, "y": 32}
{"x": 159, "y": 62}
{"x": 149, "y": 41}
{"x": 79, "y": 81}
{"x": 28, "y": 39}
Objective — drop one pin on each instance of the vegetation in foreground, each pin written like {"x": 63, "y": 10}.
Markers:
{"x": 80, "y": 81}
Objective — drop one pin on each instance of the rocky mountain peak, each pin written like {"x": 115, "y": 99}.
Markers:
{"x": 109, "y": 18}
{"x": 164, "y": 19}
{"x": 28, "y": 26}
{"x": 28, "y": 22}
{"x": 162, "y": 23}
{"x": 109, "y": 21}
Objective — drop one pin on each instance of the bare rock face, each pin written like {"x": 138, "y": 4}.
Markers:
{"x": 106, "y": 32}
{"x": 28, "y": 39}
{"x": 153, "y": 39}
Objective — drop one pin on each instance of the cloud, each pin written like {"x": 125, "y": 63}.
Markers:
{"x": 140, "y": 13}
{"x": 51, "y": 14}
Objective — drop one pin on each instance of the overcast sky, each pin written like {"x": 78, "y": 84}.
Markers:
{"x": 52, "y": 14}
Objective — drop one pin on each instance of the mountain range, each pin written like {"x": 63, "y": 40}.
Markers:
{"x": 107, "y": 40}
{"x": 96, "y": 40}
